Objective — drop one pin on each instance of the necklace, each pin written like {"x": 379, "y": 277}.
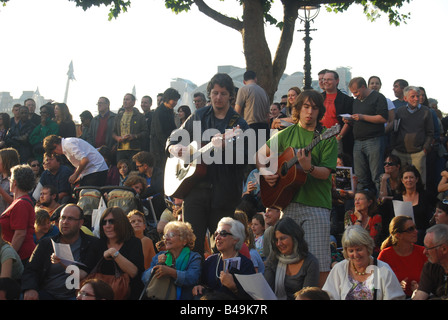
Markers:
{"x": 357, "y": 272}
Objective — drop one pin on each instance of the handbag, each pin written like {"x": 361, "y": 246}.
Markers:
{"x": 119, "y": 281}
{"x": 162, "y": 288}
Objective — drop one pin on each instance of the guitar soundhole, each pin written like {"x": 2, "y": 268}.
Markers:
{"x": 284, "y": 170}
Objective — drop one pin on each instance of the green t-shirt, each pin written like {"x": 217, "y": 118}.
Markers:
{"x": 315, "y": 192}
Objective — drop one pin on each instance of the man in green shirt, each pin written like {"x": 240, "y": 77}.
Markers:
{"x": 311, "y": 204}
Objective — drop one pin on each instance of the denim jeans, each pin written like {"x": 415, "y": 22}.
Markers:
{"x": 368, "y": 158}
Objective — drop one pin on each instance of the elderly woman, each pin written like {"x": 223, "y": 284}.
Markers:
{"x": 122, "y": 247}
{"x": 401, "y": 253}
{"x": 178, "y": 261}
{"x": 17, "y": 220}
{"x": 360, "y": 276}
{"x": 290, "y": 266}
{"x": 365, "y": 215}
{"x": 219, "y": 269}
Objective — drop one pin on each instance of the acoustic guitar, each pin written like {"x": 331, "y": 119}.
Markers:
{"x": 291, "y": 174}
{"x": 182, "y": 174}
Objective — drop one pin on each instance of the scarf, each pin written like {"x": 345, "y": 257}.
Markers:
{"x": 180, "y": 263}
{"x": 283, "y": 261}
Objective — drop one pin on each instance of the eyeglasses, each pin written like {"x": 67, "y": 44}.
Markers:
{"x": 390, "y": 164}
{"x": 139, "y": 165}
{"x": 34, "y": 165}
{"x": 222, "y": 233}
{"x": 426, "y": 248}
{"x": 283, "y": 103}
{"x": 169, "y": 235}
{"x": 85, "y": 294}
{"x": 69, "y": 219}
{"x": 108, "y": 221}
{"x": 409, "y": 230}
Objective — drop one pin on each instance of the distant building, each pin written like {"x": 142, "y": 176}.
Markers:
{"x": 7, "y": 101}
{"x": 187, "y": 88}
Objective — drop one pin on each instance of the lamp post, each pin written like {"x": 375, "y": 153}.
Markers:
{"x": 308, "y": 14}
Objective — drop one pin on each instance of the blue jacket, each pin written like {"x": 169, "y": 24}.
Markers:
{"x": 186, "y": 279}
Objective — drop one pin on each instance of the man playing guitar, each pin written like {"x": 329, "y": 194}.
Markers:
{"x": 218, "y": 192}
{"x": 311, "y": 205}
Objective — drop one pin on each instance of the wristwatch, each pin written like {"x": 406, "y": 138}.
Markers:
{"x": 115, "y": 255}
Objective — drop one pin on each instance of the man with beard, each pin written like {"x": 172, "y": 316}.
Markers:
{"x": 48, "y": 199}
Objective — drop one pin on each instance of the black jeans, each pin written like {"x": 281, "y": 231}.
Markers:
{"x": 96, "y": 179}
{"x": 199, "y": 212}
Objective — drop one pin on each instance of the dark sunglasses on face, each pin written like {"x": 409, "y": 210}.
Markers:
{"x": 108, "y": 221}
{"x": 222, "y": 233}
{"x": 409, "y": 230}
{"x": 390, "y": 163}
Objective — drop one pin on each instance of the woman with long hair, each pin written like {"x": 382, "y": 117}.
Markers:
{"x": 64, "y": 119}
{"x": 412, "y": 190}
{"x": 401, "y": 253}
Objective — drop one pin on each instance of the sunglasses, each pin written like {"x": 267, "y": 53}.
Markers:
{"x": 108, "y": 221}
{"x": 390, "y": 163}
{"x": 222, "y": 233}
{"x": 410, "y": 229}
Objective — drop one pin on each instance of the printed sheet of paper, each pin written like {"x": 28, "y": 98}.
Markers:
{"x": 256, "y": 286}
{"x": 64, "y": 252}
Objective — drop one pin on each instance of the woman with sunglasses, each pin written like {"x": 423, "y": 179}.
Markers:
{"x": 290, "y": 266}
{"x": 389, "y": 184}
{"x": 218, "y": 269}
{"x": 120, "y": 246}
{"x": 178, "y": 261}
{"x": 401, "y": 253}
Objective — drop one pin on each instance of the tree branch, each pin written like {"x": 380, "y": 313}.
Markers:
{"x": 219, "y": 17}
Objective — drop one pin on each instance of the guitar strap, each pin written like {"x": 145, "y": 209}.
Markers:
{"x": 233, "y": 120}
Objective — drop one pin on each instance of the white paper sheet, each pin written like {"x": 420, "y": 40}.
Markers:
{"x": 256, "y": 286}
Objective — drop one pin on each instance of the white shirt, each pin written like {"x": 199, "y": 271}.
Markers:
{"x": 75, "y": 149}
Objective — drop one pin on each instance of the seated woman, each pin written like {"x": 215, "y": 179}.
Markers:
{"x": 178, "y": 261}
{"x": 365, "y": 215}
{"x": 389, "y": 187}
{"x": 218, "y": 269}
{"x": 411, "y": 189}
{"x": 120, "y": 245}
{"x": 441, "y": 214}
{"x": 138, "y": 223}
{"x": 290, "y": 266}
{"x": 258, "y": 227}
{"x": 360, "y": 276}
{"x": 401, "y": 253}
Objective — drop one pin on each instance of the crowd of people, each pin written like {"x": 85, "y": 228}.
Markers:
{"x": 221, "y": 223}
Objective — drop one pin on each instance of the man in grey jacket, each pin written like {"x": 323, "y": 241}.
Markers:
{"x": 414, "y": 131}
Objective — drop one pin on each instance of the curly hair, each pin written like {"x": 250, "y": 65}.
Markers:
{"x": 23, "y": 175}
{"x": 184, "y": 230}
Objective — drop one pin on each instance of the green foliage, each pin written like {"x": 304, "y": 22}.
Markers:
{"x": 374, "y": 8}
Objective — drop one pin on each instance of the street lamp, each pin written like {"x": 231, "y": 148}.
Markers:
{"x": 307, "y": 14}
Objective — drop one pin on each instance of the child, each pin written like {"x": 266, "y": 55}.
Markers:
{"x": 43, "y": 227}
{"x": 124, "y": 169}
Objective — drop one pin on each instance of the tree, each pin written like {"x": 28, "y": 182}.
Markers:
{"x": 251, "y": 26}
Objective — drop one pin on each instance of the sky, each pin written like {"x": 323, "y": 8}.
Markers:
{"x": 149, "y": 45}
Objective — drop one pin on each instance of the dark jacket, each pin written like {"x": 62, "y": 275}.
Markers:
{"x": 344, "y": 104}
{"x": 93, "y": 129}
{"x": 162, "y": 125}
{"x": 17, "y": 138}
{"x": 226, "y": 179}
{"x": 138, "y": 128}
{"x": 39, "y": 265}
